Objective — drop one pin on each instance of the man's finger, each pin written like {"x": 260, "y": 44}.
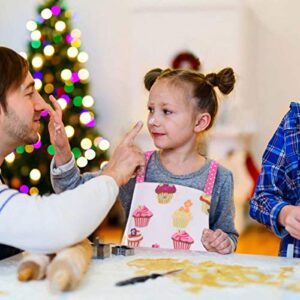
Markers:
{"x": 131, "y": 135}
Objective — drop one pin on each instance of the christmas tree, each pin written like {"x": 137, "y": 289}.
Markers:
{"x": 57, "y": 65}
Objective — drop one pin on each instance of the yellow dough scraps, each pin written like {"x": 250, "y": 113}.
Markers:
{"x": 195, "y": 276}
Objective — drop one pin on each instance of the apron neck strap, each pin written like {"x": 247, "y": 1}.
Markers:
{"x": 210, "y": 181}
{"x": 140, "y": 177}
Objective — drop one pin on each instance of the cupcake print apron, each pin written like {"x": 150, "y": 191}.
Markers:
{"x": 168, "y": 216}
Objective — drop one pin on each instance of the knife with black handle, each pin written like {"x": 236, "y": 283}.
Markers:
{"x": 138, "y": 279}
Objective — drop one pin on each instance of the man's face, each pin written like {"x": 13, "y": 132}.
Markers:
{"x": 22, "y": 120}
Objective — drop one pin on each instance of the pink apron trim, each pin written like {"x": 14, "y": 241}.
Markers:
{"x": 211, "y": 178}
{"x": 210, "y": 181}
{"x": 140, "y": 177}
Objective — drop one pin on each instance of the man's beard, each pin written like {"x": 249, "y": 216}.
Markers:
{"x": 17, "y": 130}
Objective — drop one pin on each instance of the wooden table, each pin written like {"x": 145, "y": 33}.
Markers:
{"x": 99, "y": 282}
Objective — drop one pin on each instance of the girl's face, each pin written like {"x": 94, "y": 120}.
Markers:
{"x": 172, "y": 116}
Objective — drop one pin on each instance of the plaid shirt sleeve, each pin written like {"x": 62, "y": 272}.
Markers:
{"x": 276, "y": 185}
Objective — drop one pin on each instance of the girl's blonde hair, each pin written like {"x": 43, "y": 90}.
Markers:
{"x": 202, "y": 91}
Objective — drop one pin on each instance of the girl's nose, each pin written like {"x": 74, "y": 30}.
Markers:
{"x": 153, "y": 121}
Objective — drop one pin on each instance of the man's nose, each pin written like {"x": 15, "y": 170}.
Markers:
{"x": 39, "y": 103}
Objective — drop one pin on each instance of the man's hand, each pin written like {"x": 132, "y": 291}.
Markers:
{"x": 216, "y": 241}
{"x": 58, "y": 136}
{"x": 289, "y": 218}
{"x": 126, "y": 158}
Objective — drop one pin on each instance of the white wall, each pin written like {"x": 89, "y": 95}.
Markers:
{"x": 278, "y": 64}
{"x": 261, "y": 40}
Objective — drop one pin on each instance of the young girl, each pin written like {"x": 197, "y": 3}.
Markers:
{"x": 182, "y": 105}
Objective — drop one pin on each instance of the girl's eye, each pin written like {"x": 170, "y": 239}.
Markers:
{"x": 167, "y": 112}
{"x": 151, "y": 110}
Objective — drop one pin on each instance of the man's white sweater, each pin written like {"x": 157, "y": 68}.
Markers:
{"x": 46, "y": 224}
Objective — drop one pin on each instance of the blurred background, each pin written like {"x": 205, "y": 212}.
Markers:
{"x": 123, "y": 39}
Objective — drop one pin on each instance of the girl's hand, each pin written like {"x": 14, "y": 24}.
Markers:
{"x": 58, "y": 136}
{"x": 216, "y": 241}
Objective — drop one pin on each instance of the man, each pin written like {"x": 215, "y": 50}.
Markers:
{"x": 46, "y": 224}
{"x": 276, "y": 202}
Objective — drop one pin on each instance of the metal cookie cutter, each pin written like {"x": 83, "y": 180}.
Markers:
{"x": 122, "y": 250}
{"x": 101, "y": 251}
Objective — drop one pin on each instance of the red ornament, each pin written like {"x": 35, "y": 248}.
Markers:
{"x": 253, "y": 171}
{"x": 186, "y": 60}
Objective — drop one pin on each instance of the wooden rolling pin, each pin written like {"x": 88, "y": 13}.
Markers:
{"x": 69, "y": 265}
{"x": 33, "y": 267}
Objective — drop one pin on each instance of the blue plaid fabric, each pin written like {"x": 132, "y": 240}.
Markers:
{"x": 279, "y": 182}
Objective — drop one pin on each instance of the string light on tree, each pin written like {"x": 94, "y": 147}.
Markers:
{"x": 90, "y": 154}
{"x": 31, "y": 25}
{"x": 35, "y": 175}
{"x": 104, "y": 144}
{"x": 86, "y": 143}
{"x": 10, "y": 158}
{"x": 49, "y": 88}
{"x": 49, "y": 50}
{"x": 36, "y": 35}
{"x": 83, "y": 74}
{"x": 34, "y": 191}
{"x": 37, "y": 145}
{"x": 55, "y": 9}
{"x": 83, "y": 57}
{"x": 37, "y": 61}
{"x": 46, "y": 13}
{"x": 86, "y": 117}
{"x": 81, "y": 162}
{"x": 87, "y": 101}
{"x": 69, "y": 131}
{"x": 38, "y": 84}
{"x": 29, "y": 148}
{"x": 76, "y": 43}
{"x": 24, "y": 189}
{"x": 63, "y": 103}
{"x": 72, "y": 52}
{"x": 60, "y": 26}
{"x": 66, "y": 74}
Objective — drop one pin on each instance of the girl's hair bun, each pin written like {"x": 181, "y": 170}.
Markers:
{"x": 212, "y": 79}
{"x": 151, "y": 76}
{"x": 224, "y": 80}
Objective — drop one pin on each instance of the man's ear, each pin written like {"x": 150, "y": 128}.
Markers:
{"x": 202, "y": 122}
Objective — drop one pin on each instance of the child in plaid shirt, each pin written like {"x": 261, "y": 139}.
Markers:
{"x": 276, "y": 202}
